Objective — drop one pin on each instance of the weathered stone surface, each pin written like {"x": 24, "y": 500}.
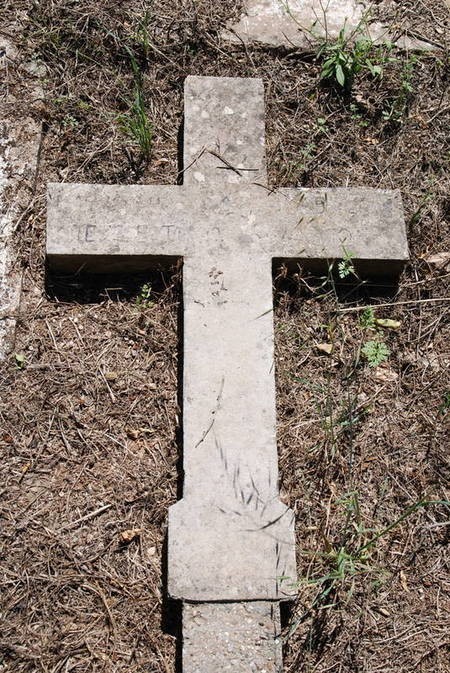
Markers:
{"x": 228, "y": 235}
{"x": 231, "y": 637}
{"x": 304, "y": 23}
{"x": 19, "y": 147}
{"x": 225, "y": 116}
{"x": 244, "y": 535}
{"x": 106, "y": 227}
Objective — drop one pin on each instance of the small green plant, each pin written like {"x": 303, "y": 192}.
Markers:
{"x": 321, "y": 124}
{"x": 358, "y": 116}
{"x": 144, "y": 297}
{"x": 141, "y": 34}
{"x": 345, "y": 57}
{"x": 375, "y": 352}
{"x": 445, "y": 406}
{"x": 20, "y": 360}
{"x": 423, "y": 203}
{"x": 136, "y": 124}
{"x": 306, "y": 155}
{"x": 397, "y": 108}
{"x": 69, "y": 122}
{"x": 367, "y": 318}
{"x": 83, "y": 105}
{"x": 346, "y": 267}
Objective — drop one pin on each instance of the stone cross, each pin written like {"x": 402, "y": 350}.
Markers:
{"x": 231, "y": 546}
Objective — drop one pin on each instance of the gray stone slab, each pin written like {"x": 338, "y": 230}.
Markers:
{"x": 224, "y": 127}
{"x": 19, "y": 147}
{"x": 231, "y": 637}
{"x": 244, "y": 535}
{"x": 228, "y": 237}
{"x": 305, "y": 23}
{"x": 230, "y": 538}
{"x": 108, "y": 227}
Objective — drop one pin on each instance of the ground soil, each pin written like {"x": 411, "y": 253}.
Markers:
{"x": 89, "y": 418}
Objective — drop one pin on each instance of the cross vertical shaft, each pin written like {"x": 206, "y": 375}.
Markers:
{"x": 229, "y": 419}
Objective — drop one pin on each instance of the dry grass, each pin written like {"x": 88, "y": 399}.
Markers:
{"x": 88, "y": 428}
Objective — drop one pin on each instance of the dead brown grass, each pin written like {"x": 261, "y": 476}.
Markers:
{"x": 88, "y": 426}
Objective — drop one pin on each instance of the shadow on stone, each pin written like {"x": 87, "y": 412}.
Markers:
{"x": 171, "y": 613}
{"x": 179, "y": 429}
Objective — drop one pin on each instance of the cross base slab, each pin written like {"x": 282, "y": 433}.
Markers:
{"x": 231, "y": 637}
{"x": 243, "y": 551}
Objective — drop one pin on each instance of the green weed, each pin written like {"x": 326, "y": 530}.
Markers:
{"x": 144, "y": 297}
{"x": 141, "y": 34}
{"x": 346, "y": 267}
{"x": 376, "y": 352}
{"x": 358, "y": 116}
{"x": 445, "y": 406}
{"x": 69, "y": 122}
{"x": 136, "y": 124}
{"x": 352, "y": 555}
{"x": 397, "y": 108}
{"x": 425, "y": 200}
{"x": 306, "y": 155}
{"x": 20, "y": 360}
{"x": 343, "y": 58}
{"x": 321, "y": 125}
{"x": 367, "y": 318}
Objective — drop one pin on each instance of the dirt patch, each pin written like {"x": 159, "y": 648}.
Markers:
{"x": 89, "y": 416}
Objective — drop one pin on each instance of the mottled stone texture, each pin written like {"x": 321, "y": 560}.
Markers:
{"x": 304, "y": 23}
{"x": 19, "y": 148}
{"x": 106, "y": 227}
{"x": 224, "y": 116}
{"x": 232, "y": 638}
{"x": 230, "y": 537}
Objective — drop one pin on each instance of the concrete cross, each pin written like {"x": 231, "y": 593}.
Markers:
{"x": 231, "y": 552}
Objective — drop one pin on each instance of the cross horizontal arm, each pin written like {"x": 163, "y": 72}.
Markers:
{"x": 114, "y": 227}
{"x": 326, "y": 224}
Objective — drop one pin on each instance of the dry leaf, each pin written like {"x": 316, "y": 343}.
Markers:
{"x": 147, "y": 431}
{"x": 325, "y": 348}
{"x": 385, "y": 374}
{"x": 387, "y": 323}
{"x": 130, "y": 535}
{"x": 440, "y": 259}
{"x": 403, "y": 581}
{"x": 284, "y": 497}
